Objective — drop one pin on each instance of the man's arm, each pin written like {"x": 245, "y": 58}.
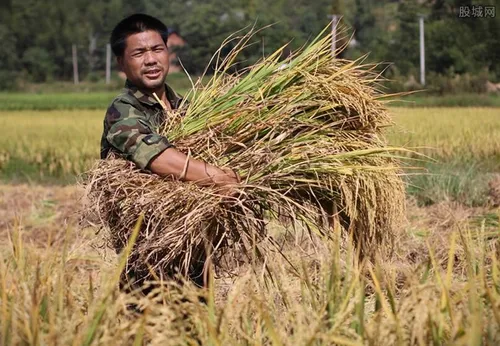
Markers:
{"x": 131, "y": 134}
{"x": 173, "y": 162}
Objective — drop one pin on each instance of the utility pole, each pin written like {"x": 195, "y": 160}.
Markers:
{"x": 334, "y": 19}
{"x": 108, "y": 63}
{"x": 92, "y": 48}
{"x": 75, "y": 64}
{"x": 422, "y": 50}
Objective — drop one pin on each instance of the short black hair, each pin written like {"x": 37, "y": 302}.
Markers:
{"x": 134, "y": 24}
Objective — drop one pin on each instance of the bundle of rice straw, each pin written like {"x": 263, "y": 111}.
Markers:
{"x": 303, "y": 135}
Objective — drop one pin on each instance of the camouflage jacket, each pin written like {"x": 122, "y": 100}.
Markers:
{"x": 131, "y": 126}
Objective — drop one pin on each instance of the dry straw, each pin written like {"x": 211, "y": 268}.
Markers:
{"x": 305, "y": 136}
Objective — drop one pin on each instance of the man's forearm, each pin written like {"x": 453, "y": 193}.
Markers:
{"x": 173, "y": 162}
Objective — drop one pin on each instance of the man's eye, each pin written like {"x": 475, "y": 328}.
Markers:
{"x": 159, "y": 49}
{"x": 137, "y": 55}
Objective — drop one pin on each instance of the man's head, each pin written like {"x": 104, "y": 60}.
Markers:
{"x": 139, "y": 43}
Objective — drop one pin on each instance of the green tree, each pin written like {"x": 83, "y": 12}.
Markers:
{"x": 37, "y": 35}
{"x": 403, "y": 49}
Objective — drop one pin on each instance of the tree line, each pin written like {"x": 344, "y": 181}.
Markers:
{"x": 37, "y": 35}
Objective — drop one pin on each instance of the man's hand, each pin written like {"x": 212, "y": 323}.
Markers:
{"x": 226, "y": 184}
{"x": 229, "y": 177}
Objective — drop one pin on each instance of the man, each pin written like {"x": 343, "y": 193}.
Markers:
{"x": 131, "y": 124}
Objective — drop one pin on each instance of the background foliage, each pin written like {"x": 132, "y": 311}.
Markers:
{"x": 37, "y": 35}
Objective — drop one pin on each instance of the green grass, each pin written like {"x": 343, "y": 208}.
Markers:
{"x": 55, "y": 101}
{"x": 86, "y": 95}
{"x": 60, "y": 101}
{"x": 422, "y": 99}
{"x": 459, "y": 181}
{"x": 67, "y": 96}
{"x": 48, "y": 146}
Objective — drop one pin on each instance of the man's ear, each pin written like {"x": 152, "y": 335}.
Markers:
{"x": 119, "y": 61}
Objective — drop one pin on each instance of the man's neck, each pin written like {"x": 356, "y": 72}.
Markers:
{"x": 161, "y": 92}
{"x": 162, "y": 95}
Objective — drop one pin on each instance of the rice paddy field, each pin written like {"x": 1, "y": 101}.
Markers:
{"x": 440, "y": 284}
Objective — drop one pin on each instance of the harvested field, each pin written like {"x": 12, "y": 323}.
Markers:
{"x": 448, "y": 255}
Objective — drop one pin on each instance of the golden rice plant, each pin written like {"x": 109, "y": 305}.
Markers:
{"x": 54, "y": 144}
{"x": 466, "y": 134}
{"x": 65, "y": 293}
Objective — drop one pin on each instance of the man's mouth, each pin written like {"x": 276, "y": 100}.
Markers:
{"x": 153, "y": 73}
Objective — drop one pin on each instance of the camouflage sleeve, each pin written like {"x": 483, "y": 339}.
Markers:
{"x": 133, "y": 135}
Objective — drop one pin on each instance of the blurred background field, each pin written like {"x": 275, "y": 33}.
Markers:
{"x": 85, "y": 95}
{"x": 49, "y": 145}
{"x": 461, "y": 148}
{"x": 97, "y": 95}
{"x": 50, "y": 100}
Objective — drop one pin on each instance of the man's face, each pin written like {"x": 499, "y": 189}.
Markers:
{"x": 145, "y": 60}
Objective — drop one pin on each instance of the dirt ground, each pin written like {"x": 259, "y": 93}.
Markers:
{"x": 43, "y": 210}
{"x": 39, "y": 211}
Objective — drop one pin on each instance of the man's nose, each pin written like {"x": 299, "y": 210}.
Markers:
{"x": 149, "y": 58}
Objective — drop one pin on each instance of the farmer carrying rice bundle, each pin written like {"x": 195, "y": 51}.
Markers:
{"x": 131, "y": 124}
{"x": 306, "y": 139}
